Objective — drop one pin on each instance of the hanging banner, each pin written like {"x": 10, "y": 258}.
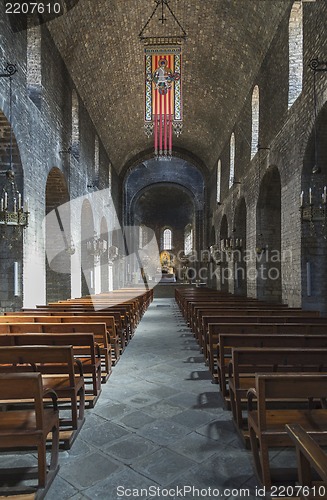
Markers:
{"x": 163, "y": 96}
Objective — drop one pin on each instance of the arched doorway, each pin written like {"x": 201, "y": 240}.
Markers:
{"x": 268, "y": 244}
{"x": 314, "y": 233}
{"x": 11, "y": 237}
{"x": 240, "y": 271}
{"x": 58, "y": 284}
{"x": 178, "y": 178}
{"x": 87, "y": 259}
{"x": 168, "y": 209}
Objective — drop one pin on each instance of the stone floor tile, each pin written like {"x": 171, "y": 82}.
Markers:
{"x": 100, "y": 435}
{"x": 163, "y": 466}
{"x": 136, "y": 419}
{"x": 120, "y": 485}
{"x": 130, "y": 449}
{"x": 193, "y": 419}
{"x": 85, "y": 471}
{"x": 196, "y": 447}
{"x": 163, "y": 432}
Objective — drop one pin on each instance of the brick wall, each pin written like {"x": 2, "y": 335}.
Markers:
{"x": 284, "y": 134}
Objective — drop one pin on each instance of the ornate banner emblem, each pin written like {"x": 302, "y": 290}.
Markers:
{"x": 163, "y": 96}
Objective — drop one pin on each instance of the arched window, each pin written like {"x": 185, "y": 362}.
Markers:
{"x": 33, "y": 63}
{"x": 109, "y": 177}
{"x": 75, "y": 124}
{"x": 218, "y": 196}
{"x": 142, "y": 241}
{"x": 255, "y": 121}
{"x": 167, "y": 239}
{"x": 295, "y": 43}
{"x": 232, "y": 161}
{"x": 188, "y": 239}
{"x": 96, "y": 158}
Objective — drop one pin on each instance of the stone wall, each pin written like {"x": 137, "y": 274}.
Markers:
{"x": 283, "y": 136}
{"x": 43, "y": 131}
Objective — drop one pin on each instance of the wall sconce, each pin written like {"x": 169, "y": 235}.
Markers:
{"x": 96, "y": 246}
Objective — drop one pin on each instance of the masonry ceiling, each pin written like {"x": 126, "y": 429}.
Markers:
{"x": 227, "y": 41}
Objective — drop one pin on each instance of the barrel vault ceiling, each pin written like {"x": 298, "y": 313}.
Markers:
{"x": 226, "y": 44}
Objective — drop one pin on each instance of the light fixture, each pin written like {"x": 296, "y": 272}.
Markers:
{"x": 113, "y": 253}
{"x": 13, "y": 212}
{"x": 315, "y": 211}
{"x": 96, "y": 246}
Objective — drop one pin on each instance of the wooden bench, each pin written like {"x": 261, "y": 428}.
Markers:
{"x": 310, "y": 457}
{"x": 25, "y": 425}
{"x": 241, "y": 322}
{"x": 247, "y": 361}
{"x": 126, "y": 319}
{"x": 69, "y": 386}
{"x": 267, "y": 426}
{"x": 268, "y": 338}
{"x": 104, "y": 332}
{"x": 84, "y": 348}
{"x": 253, "y": 316}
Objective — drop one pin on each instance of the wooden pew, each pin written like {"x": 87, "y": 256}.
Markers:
{"x": 242, "y": 321}
{"x": 25, "y": 424}
{"x": 68, "y": 385}
{"x": 252, "y": 316}
{"x": 84, "y": 349}
{"x": 310, "y": 457}
{"x": 295, "y": 335}
{"x": 247, "y": 361}
{"x": 103, "y": 329}
{"x": 267, "y": 426}
{"x": 98, "y": 330}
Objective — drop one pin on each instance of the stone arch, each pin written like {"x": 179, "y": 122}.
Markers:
{"x": 11, "y": 238}
{"x": 268, "y": 244}
{"x": 165, "y": 176}
{"x": 224, "y": 268}
{"x": 240, "y": 272}
{"x": 57, "y": 194}
{"x": 314, "y": 236}
{"x": 87, "y": 260}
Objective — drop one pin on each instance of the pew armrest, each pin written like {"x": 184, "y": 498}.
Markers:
{"x": 308, "y": 448}
{"x": 53, "y": 395}
{"x": 251, "y": 394}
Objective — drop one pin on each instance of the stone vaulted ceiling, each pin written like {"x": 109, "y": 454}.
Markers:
{"x": 227, "y": 41}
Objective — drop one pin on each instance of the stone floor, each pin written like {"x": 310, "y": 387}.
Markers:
{"x": 158, "y": 425}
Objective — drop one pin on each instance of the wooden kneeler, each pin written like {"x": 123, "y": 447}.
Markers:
{"x": 26, "y": 425}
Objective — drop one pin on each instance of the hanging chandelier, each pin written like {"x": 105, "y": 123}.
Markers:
{"x": 12, "y": 210}
{"x": 163, "y": 72}
{"x": 96, "y": 246}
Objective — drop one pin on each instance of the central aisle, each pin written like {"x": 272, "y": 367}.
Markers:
{"x": 158, "y": 423}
